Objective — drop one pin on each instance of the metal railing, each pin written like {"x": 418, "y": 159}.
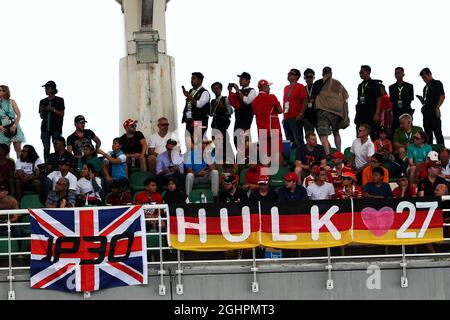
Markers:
{"x": 162, "y": 265}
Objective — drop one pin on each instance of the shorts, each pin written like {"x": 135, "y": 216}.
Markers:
{"x": 325, "y": 121}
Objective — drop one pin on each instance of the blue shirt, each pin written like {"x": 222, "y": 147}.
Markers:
{"x": 299, "y": 193}
{"x": 119, "y": 170}
{"x": 383, "y": 191}
{"x": 163, "y": 161}
{"x": 196, "y": 162}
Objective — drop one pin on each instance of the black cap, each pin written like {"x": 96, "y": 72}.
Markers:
{"x": 245, "y": 75}
{"x": 64, "y": 161}
{"x": 80, "y": 118}
{"x": 326, "y": 70}
{"x": 230, "y": 179}
{"x": 50, "y": 84}
{"x": 172, "y": 142}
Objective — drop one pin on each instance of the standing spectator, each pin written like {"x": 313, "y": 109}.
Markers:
{"x": 334, "y": 174}
{"x": 404, "y": 136}
{"x": 385, "y": 110}
{"x": 291, "y": 190}
{"x": 7, "y": 167}
{"x": 432, "y": 100}
{"x": 376, "y": 161}
{"x": 80, "y": 137}
{"x": 377, "y": 188}
{"x": 27, "y": 171}
{"x": 157, "y": 143}
{"x": 169, "y": 165}
{"x": 64, "y": 166}
{"x": 295, "y": 102}
{"x": 61, "y": 196}
{"x": 404, "y": 189}
{"x": 10, "y": 130}
{"x": 264, "y": 191}
{"x": 400, "y": 165}
{"x": 59, "y": 144}
{"x": 308, "y": 153}
{"x": 242, "y": 101}
{"x": 266, "y": 108}
{"x": 427, "y": 185}
{"x": 115, "y": 164}
{"x": 444, "y": 157}
{"x": 7, "y": 202}
{"x": 150, "y": 196}
{"x": 417, "y": 155}
{"x": 134, "y": 145}
{"x": 348, "y": 189}
{"x": 90, "y": 157}
{"x": 332, "y": 109}
{"x": 320, "y": 189}
{"x": 51, "y": 110}
{"x": 197, "y": 106}
{"x": 310, "y": 114}
{"x": 368, "y": 108}
{"x": 174, "y": 195}
{"x": 384, "y": 146}
{"x": 89, "y": 187}
{"x": 221, "y": 112}
{"x": 118, "y": 197}
{"x": 362, "y": 150}
{"x": 401, "y": 94}
{"x": 200, "y": 168}
{"x": 232, "y": 193}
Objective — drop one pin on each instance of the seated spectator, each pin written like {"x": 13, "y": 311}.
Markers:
{"x": 232, "y": 193}
{"x": 427, "y": 186}
{"x": 115, "y": 165}
{"x": 134, "y": 145}
{"x": 362, "y": 150}
{"x": 89, "y": 187}
{"x": 441, "y": 190}
{"x": 308, "y": 153}
{"x": 417, "y": 153}
{"x": 200, "y": 168}
{"x": 27, "y": 172}
{"x": 150, "y": 196}
{"x": 291, "y": 191}
{"x": 118, "y": 197}
{"x": 384, "y": 146}
{"x": 61, "y": 196}
{"x": 7, "y": 202}
{"x": 264, "y": 192}
{"x": 80, "y": 137}
{"x": 309, "y": 180}
{"x": 64, "y": 166}
{"x": 320, "y": 189}
{"x": 348, "y": 189}
{"x": 377, "y": 188}
{"x": 59, "y": 144}
{"x": 404, "y": 136}
{"x": 228, "y": 169}
{"x": 252, "y": 177}
{"x": 444, "y": 157}
{"x": 376, "y": 161}
{"x": 334, "y": 174}
{"x": 404, "y": 189}
{"x": 7, "y": 167}
{"x": 89, "y": 157}
{"x": 169, "y": 164}
{"x": 173, "y": 194}
{"x": 400, "y": 165}
{"x": 157, "y": 143}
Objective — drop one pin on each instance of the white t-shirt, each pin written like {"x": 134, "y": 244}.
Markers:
{"x": 27, "y": 167}
{"x": 323, "y": 192}
{"x": 362, "y": 152}
{"x": 56, "y": 175}
{"x": 84, "y": 186}
{"x": 159, "y": 143}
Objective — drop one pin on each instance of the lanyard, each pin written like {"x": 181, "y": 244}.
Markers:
{"x": 408, "y": 136}
{"x": 400, "y": 89}
{"x": 309, "y": 91}
{"x": 363, "y": 88}
{"x": 195, "y": 92}
{"x": 426, "y": 91}
{"x": 213, "y": 112}
{"x": 290, "y": 92}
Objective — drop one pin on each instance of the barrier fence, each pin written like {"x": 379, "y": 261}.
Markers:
{"x": 165, "y": 263}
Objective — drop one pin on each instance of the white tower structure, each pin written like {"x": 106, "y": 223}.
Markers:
{"x": 147, "y": 73}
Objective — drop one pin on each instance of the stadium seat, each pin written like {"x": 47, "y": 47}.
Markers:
{"x": 29, "y": 201}
{"x": 4, "y": 247}
{"x": 277, "y": 180}
{"x": 347, "y": 154}
{"x": 333, "y": 150}
{"x": 194, "y": 196}
{"x": 137, "y": 180}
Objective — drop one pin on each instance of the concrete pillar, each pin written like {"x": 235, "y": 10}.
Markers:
{"x": 147, "y": 91}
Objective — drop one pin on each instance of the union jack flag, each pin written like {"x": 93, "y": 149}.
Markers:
{"x": 88, "y": 249}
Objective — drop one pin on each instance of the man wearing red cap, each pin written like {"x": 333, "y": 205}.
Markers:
{"x": 334, "y": 174}
{"x": 291, "y": 191}
{"x": 348, "y": 189}
{"x": 266, "y": 108}
{"x": 134, "y": 145}
{"x": 264, "y": 191}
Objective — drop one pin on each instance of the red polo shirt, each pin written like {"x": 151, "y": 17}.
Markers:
{"x": 264, "y": 107}
{"x": 295, "y": 99}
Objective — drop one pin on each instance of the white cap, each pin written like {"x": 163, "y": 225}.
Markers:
{"x": 433, "y": 156}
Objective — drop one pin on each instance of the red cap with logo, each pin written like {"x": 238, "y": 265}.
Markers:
{"x": 291, "y": 176}
{"x": 129, "y": 122}
{"x": 338, "y": 155}
{"x": 263, "y": 83}
{"x": 263, "y": 179}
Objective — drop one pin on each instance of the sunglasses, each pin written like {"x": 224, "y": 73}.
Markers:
{"x": 164, "y": 124}
{"x": 417, "y": 138}
{"x": 133, "y": 126}
{"x": 309, "y": 77}
{"x": 292, "y": 74}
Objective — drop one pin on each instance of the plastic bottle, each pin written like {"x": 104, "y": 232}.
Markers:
{"x": 203, "y": 198}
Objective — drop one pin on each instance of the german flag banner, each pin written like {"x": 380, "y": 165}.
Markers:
{"x": 306, "y": 224}
{"x": 405, "y": 221}
{"x": 214, "y": 227}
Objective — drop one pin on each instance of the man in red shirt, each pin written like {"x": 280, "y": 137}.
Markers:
{"x": 295, "y": 100}
{"x": 150, "y": 196}
{"x": 335, "y": 174}
{"x": 266, "y": 108}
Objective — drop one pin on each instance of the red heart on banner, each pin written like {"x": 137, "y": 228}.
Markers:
{"x": 378, "y": 222}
